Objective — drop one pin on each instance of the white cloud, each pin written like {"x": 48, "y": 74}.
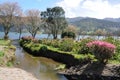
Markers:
{"x": 90, "y": 8}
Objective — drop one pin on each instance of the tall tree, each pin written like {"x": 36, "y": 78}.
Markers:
{"x": 8, "y": 13}
{"x": 55, "y": 20}
{"x": 19, "y": 25}
{"x": 33, "y": 21}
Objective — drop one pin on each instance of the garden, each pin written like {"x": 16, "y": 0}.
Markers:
{"x": 104, "y": 51}
{"x": 86, "y": 57}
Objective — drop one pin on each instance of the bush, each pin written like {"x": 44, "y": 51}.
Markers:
{"x": 102, "y": 50}
{"x": 29, "y": 39}
{"x": 68, "y": 34}
{"x": 45, "y": 41}
{"x": 34, "y": 47}
{"x": 43, "y": 49}
{"x": 55, "y": 43}
{"x": 67, "y": 44}
{"x": 83, "y": 49}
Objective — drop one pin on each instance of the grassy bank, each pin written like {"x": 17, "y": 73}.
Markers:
{"x": 7, "y": 53}
{"x": 76, "y": 49}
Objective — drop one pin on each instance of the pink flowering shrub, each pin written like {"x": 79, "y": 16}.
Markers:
{"x": 102, "y": 50}
{"x": 29, "y": 38}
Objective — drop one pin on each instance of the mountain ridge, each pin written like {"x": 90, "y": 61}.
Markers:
{"x": 88, "y": 24}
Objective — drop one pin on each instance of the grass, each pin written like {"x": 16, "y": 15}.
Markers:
{"x": 4, "y": 42}
{"x": 6, "y": 53}
{"x": 1, "y": 53}
{"x": 114, "y": 62}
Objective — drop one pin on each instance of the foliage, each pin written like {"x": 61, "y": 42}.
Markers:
{"x": 102, "y": 50}
{"x": 43, "y": 48}
{"x": 29, "y": 39}
{"x": 1, "y": 54}
{"x": 12, "y": 47}
{"x": 49, "y": 42}
{"x": 8, "y": 11}
{"x": 33, "y": 21}
{"x": 54, "y": 19}
{"x": 9, "y": 64}
{"x": 116, "y": 42}
{"x": 83, "y": 49}
{"x": 55, "y": 43}
{"x": 91, "y": 25}
{"x": 5, "y": 42}
{"x": 79, "y": 49}
{"x": 35, "y": 47}
{"x": 68, "y": 34}
{"x": 67, "y": 44}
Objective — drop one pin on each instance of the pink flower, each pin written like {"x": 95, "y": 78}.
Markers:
{"x": 101, "y": 49}
{"x": 101, "y": 44}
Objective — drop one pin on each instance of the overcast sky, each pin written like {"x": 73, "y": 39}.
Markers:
{"x": 76, "y": 8}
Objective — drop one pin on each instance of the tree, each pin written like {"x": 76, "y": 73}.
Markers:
{"x": 100, "y": 32}
{"x": 71, "y": 28}
{"x": 19, "y": 24}
{"x": 68, "y": 34}
{"x": 33, "y": 21}
{"x": 8, "y": 13}
{"x": 55, "y": 20}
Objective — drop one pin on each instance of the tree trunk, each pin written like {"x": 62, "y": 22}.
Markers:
{"x": 54, "y": 36}
{"x": 6, "y": 37}
{"x": 20, "y": 35}
{"x": 33, "y": 35}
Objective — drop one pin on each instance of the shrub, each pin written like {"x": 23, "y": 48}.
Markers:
{"x": 102, "y": 50}
{"x": 34, "y": 47}
{"x": 45, "y": 41}
{"x": 68, "y": 34}
{"x": 55, "y": 43}
{"x": 29, "y": 39}
{"x": 43, "y": 48}
{"x": 67, "y": 44}
{"x": 83, "y": 49}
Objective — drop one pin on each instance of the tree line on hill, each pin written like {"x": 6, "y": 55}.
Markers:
{"x": 92, "y": 26}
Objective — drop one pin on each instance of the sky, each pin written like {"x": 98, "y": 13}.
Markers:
{"x": 75, "y": 8}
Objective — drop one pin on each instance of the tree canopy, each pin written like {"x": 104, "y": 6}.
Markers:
{"x": 8, "y": 12}
{"x": 54, "y": 19}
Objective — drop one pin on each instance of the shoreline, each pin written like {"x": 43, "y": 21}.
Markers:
{"x": 92, "y": 71}
{"x": 7, "y": 70}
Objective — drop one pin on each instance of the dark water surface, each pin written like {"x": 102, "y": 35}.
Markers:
{"x": 41, "y": 68}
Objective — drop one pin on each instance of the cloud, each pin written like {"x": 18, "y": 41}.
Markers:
{"x": 90, "y": 8}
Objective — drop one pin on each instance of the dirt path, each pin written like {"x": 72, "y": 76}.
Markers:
{"x": 15, "y": 74}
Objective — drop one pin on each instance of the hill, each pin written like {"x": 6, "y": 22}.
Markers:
{"x": 92, "y": 24}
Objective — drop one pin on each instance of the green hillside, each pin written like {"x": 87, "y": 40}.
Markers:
{"x": 92, "y": 24}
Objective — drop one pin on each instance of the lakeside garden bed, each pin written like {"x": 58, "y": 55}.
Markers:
{"x": 74, "y": 54}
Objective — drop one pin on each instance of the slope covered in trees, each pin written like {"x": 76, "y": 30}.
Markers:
{"x": 93, "y": 24}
